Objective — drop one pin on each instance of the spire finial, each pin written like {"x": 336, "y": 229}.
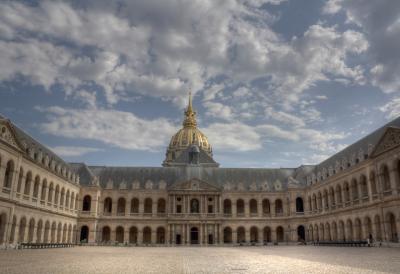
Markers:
{"x": 190, "y": 114}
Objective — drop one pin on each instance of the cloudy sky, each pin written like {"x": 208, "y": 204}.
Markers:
{"x": 276, "y": 83}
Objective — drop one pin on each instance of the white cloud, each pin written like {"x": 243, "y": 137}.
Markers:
{"x": 218, "y": 110}
{"x": 285, "y": 118}
{"x": 69, "y": 151}
{"x": 392, "y": 108}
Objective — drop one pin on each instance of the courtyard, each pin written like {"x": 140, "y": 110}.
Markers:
{"x": 271, "y": 259}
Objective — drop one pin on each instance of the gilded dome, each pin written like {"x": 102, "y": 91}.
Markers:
{"x": 187, "y": 136}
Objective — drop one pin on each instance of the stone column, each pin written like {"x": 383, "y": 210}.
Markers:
{"x": 246, "y": 208}
{"x": 154, "y": 209}
{"x": 141, "y": 207}
{"x": 140, "y": 236}
{"x": 259, "y": 207}
{"x": 260, "y": 235}
{"x": 247, "y": 235}
{"x": 153, "y": 236}
{"x": 272, "y": 207}
{"x": 234, "y": 209}
{"x": 2, "y": 174}
{"x": 234, "y": 236}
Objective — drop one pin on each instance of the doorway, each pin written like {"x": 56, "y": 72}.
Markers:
{"x": 178, "y": 239}
{"x": 210, "y": 239}
{"x": 301, "y": 233}
{"x": 194, "y": 235}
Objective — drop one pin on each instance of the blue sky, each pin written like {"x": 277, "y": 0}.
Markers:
{"x": 276, "y": 83}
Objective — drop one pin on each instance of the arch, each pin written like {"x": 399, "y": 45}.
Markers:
{"x": 227, "y": 207}
{"x": 64, "y": 233}
{"x": 385, "y": 178}
{"x": 346, "y": 191}
{"x": 327, "y": 232}
{"x": 160, "y": 235}
{"x": 9, "y": 173}
{"x": 266, "y": 207}
{"x": 372, "y": 183}
{"x": 106, "y": 234}
{"x": 391, "y": 227}
{"x": 311, "y": 233}
{"x": 315, "y": 205}
{"x": 349, "y": 232}
{"x": 301, "y": 233}
{"x": 332, "y": 196}
{"x": 36, "y": 187}
{"x": 339, "y": 194}
{"x": 46, "y": 235}
{"x": 316, "y": 233}
{"x": 13, "y": 228}
{"x": 39, "y": 231}
{"x": 334, "y": 231}
{"x": 20, "y": 179}
{"x": 161, "y": 206}
{"x": 62, "y": 196}
{"x": 378, "y": 228}
{"x": 67, "y": 196}
{"x": 321, "y": 231}
{"x": 227, "y": 235}
{"x": 368, "y": 227}
{"x": 69, "y": 238}
{"x": 86, "y": 203}
{"x": 135, "y": 206}
{"x": 22, "y": 227}
{"x": 278, "y": 207}
{"x": 357, "y": 229}
{"x": 28, "y": 180}
{"x": 320, "y": 206}
{"x": 121, "y": 206}
{"x": 253, "y": 207}
{"x": 3, "y": 223}
{"x": 44, "y": 189}
{"x": 147, "y": 235}
{"x": 148, "y": 205}
{"x": 194, "y": 206}
{"x": 59, "y": 232}
{"x": 31, "y": 230}
{"x": 84, "y": 237}
{"x": 363, "y": 186}
{"x": 56, "y": 195}
{"x": 241, "y": 235}
{"x": 51, "y": 191}
{"x": 325, "y": 199}
{"x": 107, "y": 205}
{"x": 119, "y": 234}
{"x": 133, "y": 235}
{"x": 253, "y": 234}
{"x": 299, "y": 205}
{"x": 240, "y": 207}
{"x": 354, "y": 190}
{"x": 53, "y": 232}
{"x": 71, "y": 204}
{"x": 267, "y": 234}
{"x": 279, "y": 234}
{"x": 74, "y": 232}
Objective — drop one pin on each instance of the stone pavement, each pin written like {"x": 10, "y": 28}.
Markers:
{"x": 271, "y": 259}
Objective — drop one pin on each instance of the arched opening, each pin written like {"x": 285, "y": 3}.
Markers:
{"x": 119, "y": 234}
{"x": 279, "y": 234}
{"x": 160, "y": 235}
{"x": 148, "y": 206}
{"x": 86, "y": 203}
{"x": 3, "y": 221}
{"x": 71, "y": 204}
{"x": 354, "y": 190}
{"x": 36, "y": 187}
{"x": 346, "y": 190}
{"x": 28, "y": 181}
{"x": 267, "y": 234}
{"x": 161, "y": 206}
{"x": 64, "y": 234}
{"x": 253, "y": 207}
{"x": 107, "y": 206}
{"x": 349, "y": 234}
{"x": 20, "y": 178}
{"x": 385, "y": 178}
{"x": 240, "y": 207}
{"x": 332, "y": 197}
{"x": 39, "y": 231}
{"x": 299, "y": 205}
{"x": 53, "y": 232}
{"x": 241, "y": 235}
{"x": 133, "y": 235}
{"x": 391, "y": 225}
{"x": 67, "y": 200}
{"x": 134, "y": 206}
{"x": 253, "y": 234}
{"x": 320, "y": 206}
{"x": 368, "y": 227}
{"x": 364, "y": 186}
{"x": 84, "y": 237}
{"x": 194, "y": 206}
{"x": 31, "y": 230}
{"x": 334, "y": 232}
{"x": 328, "y": 235}
{"x": 44, "y": 189}
{"x": 13, "y": 228}
{"x": 147, "y": 235}
{"x": 194, "y": 235}
{"x": 325, "y": 200}
{"x": 8, "y": 175}
{"x": 121, "y": 207}
{"x": 372, "y": 182}
{"x": 315, "y": 205}
{"x": 62, "y": 197}
{"x": 59, "y": 232}
{"x": 311, "y": 233}
{"x": 106, "y": 234}
{"x": 266, "y": 207}
{"x": 227, "y": 207}
{"x": 301, "y": 233}
{"x": 378, "y": 230}
{"x": 227, "y": 235}
{"x": 51, "y": 191}
{"x": 46, "y": 236}
{"x": 56, "y": 195}
{"x": 357, "y": 230}
{"x": 278, "y": 207}
{"x": 339, "y": 194}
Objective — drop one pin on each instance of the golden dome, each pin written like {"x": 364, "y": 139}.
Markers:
{"x": 187, "y": 136}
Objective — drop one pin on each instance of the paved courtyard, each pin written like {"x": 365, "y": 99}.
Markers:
{"x": 274, "y": 259}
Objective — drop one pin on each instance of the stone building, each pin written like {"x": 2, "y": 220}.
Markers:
{"x": 355, "y": 194}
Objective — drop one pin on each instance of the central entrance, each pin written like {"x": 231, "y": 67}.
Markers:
{"x": 194, "y": 236}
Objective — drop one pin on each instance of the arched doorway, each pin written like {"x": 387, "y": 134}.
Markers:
{"x": 119, "y": 235}
{"x": 147, "y": 235}
{"x": 392, "y": 230}
{"x": 87, "y": 201}
{"x": 194, "y": 235}
{"x": 160, "y": 235}
{"x": 299, "y": 205}
{"x": 133, "y": 232}
{"x": 3, "y": 220}
{"x": 105, "y": 235}
{"x": 241, "y": 236}
{"x": 227, "y": 235}
{"x": 267, "y": 234}
{"x": 253, "y": 234}
{"x": 279, "y": 234}
{"x": 84, "y": 234}
{"x": 301, "y": 233}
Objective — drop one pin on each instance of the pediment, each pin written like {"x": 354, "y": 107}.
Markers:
{"x": 194, "y": 185}
{"x": 389, "y": 140}
{"x": 7, "y": 135}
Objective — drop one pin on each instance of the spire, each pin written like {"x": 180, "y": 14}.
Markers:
{"x": 190, "y": 114}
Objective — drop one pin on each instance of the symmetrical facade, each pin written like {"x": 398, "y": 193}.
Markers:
{"x": 353, "y": 195}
